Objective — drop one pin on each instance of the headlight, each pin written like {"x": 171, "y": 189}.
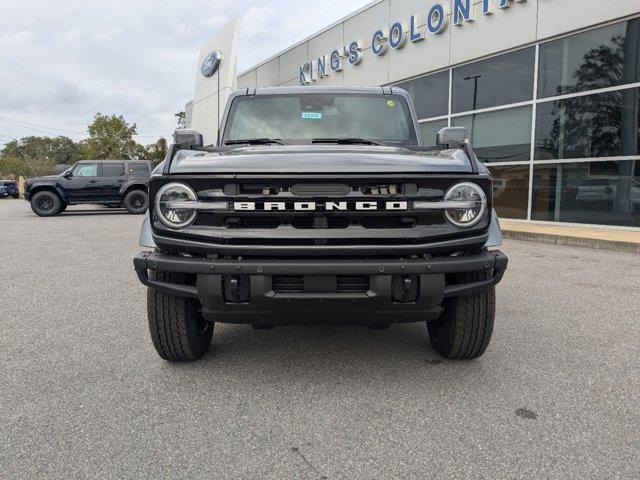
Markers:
{"x": 472, "y": 201}
{"x": 166, "y": 199}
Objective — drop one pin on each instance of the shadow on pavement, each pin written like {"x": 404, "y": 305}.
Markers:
{"x": 295, "y": 349}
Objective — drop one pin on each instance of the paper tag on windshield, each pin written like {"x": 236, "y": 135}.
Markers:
{"x": 312, "y": 115}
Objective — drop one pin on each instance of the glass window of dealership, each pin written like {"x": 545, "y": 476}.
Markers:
{"x": 557, "y": 123}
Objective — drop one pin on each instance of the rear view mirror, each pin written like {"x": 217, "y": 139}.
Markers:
{"x": 453, "y": 137}
{"x": 187, "y": 139}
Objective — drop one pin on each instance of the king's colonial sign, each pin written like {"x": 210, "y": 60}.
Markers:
{"x": 399, "y": 34}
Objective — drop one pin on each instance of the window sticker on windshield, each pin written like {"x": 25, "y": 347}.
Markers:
{"x": 391, "y": 103}
{"x": 312, "y": 115}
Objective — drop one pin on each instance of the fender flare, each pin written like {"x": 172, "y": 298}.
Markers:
{"x": 33, "y": 189}
{"x": 133, "y": 183}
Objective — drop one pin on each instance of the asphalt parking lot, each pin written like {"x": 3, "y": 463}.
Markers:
{"x": 84, "y": 395}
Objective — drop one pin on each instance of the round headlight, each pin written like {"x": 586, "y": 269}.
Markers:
{"x": 473, "y": 204}
{"x": 167, "y": 197}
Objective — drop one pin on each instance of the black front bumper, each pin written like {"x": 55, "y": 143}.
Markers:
{"x": 376, "y": 305}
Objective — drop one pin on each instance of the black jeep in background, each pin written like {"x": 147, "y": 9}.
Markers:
{"x": 9, "y": 188}
{"x": 108, "y": 182}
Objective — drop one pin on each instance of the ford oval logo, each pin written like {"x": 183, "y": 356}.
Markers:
{"x": 211, "y": 63}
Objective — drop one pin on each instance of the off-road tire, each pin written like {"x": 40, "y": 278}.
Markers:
{"x": 464, "y": 329}
{"x": 178, "y": 331}
{"x": 46, "y": 204}
{"x": 136, "y": 202}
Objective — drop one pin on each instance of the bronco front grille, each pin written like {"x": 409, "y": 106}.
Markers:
{"x": 328, "y": 222}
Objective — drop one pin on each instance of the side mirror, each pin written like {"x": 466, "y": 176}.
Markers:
{"x": 187, "y": 139}
{"x": 453, "y": 137}
{"x": 67, "y": 174}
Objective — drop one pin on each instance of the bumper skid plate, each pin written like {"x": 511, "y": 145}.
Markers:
{"x": 242, "y": 291}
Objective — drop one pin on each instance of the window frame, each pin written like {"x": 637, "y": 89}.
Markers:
{"x": 526, "y": 50}
{"x": 80, "y": 165}
{"x": 541, "y": 45}
{"x": 532, "y": 162}
{"x": 111, "y": 162}
{"x": 414, "y": 135}
{"x": 133, "y": 163}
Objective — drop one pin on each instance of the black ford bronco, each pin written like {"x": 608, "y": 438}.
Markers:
{"x": 112, "y": 183}
{"x": 320, "y": 205}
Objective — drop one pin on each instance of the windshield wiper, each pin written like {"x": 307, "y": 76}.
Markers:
{"x": 254, "y": 141}
{"x": 346, "y": 141}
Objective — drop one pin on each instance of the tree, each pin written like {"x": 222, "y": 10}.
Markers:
{"x": 111, "y": 137}
{"x": 57, "y": 150}
{"x": 11, "y": 166}
{"x": 182, "y": 119}
{"x": 157, "y": 151}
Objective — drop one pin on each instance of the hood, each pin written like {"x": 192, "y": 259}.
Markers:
{"x": 321, "y": 159}
{"x": 44, "y": 178}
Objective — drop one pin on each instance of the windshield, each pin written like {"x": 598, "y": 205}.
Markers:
{"x": 308, "y": 117}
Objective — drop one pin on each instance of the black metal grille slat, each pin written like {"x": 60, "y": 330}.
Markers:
{"x": 315, "y": 189}
{"x": 287, "y": 283}
{"x": 295, "y": 283}
{"x": 353, "y": 283}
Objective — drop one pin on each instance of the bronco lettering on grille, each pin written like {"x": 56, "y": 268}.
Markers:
{"x": 315, "y": 206}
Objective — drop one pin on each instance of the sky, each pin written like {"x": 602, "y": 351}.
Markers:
{"x": 61, "y": 62}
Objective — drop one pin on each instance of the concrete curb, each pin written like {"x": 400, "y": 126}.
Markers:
{"x": 594, "y": 243}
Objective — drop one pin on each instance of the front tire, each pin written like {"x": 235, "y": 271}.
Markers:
{"x": 136, "y": 202}
{"x": 464, "y": 329}
{"x": 46, "y": 204}
{"x": 178, "y": 330}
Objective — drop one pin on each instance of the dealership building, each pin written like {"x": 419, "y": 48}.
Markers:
{"x": 547, "y": 89}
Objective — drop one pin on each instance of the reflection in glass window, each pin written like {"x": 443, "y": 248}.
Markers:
{"x": 139, "y": 167}
{"x": 86, "y": 170}
{"x": 601, "y": 125}
{"x": 496, "y": 81}
{"x": 510, "y": 190}
{"x": 501, "y": 136}
{"x": 600, "y": 58}
{"x": 112, "y": 169}
{"x": 302, "y": 117}
{"x": 430, "y": 130}
{"x": 430, "y": 94}
{"x": 588, "y": 192}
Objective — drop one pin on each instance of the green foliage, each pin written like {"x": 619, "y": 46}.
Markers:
{"x": 157, "y": 151}
{"x": 54, "y": 150}
{"x": 14, "y": 167}
{"x": 111, "y": 137}
{"x": 182, "y": 119}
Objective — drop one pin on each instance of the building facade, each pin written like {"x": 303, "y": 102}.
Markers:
{"x": 548, "y": 90}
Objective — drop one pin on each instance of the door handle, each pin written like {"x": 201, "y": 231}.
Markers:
{"x": 93, "y": 181}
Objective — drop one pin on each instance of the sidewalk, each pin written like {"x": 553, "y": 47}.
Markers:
{"x": 590, "y": 237}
